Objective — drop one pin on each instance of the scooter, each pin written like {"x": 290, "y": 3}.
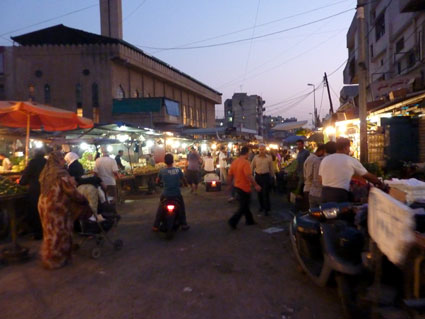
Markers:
{"x": 327, "y": 245}
{"x": 170, "y": 217}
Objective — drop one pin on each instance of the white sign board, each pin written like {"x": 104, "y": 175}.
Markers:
{"x": 391, "y": 225}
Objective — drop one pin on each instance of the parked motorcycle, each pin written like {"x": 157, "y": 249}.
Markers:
{"x": 328, "y": 246}
{"x": 170, "y": 217}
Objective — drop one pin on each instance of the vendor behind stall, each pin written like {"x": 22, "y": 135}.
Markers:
{"x": 30, "y": 177}
{"x": 7, "y": 165}
{"x": 118, "y": 160}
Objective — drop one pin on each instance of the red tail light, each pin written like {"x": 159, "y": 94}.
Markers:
{"x": 213, "y": 183}
{"x": 170, "y": 208}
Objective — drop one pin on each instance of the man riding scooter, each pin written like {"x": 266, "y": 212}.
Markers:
{"x": 171, "y": 178}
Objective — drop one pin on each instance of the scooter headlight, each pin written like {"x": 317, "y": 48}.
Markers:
{"x": 331, "y": 213}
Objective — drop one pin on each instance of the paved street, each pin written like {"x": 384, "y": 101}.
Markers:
{"x": 207, "y": 272}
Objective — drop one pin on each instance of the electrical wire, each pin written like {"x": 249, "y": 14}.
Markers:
{"x": 258, "y": 26}
{"x": 250, "y": 38}
{"x": 230, "y": 83}
{"x": 51, "y": 19}
{"x": 250, "y": 43}
{"x": 134, "y": 11}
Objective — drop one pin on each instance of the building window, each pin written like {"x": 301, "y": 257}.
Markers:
{"x": 94, "y": 95}
{"x": 398, "y": 67}
{"x": 80, "y": 111}
{"x": 184, "y": 114}
{"x": 78, "y": 96}
{"x": 136, "y": 94}
{"x": 411, "y": 59}
{"x": 31, "y": 92}
{"x": 380, "y": 26}
{"x": 120, "y": 92}
{"x": 47, "y": 98}
{"x": 96, "y": 115}
{"x": 382, "y": 62}
{"x": 399, "y": 46}
{"x": 371, "y": 50}
{"x": 191, "y": 115}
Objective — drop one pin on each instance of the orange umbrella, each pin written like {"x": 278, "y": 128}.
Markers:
{"x": 38, "y": 116}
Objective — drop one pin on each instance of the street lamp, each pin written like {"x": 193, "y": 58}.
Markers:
{"x": 314, "y": 99}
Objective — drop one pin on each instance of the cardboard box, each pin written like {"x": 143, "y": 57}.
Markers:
{"x": 398, "y": 194}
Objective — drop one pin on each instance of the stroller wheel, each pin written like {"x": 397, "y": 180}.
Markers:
{"x": 96, "y": 252}
{"x": 118, "y": 244}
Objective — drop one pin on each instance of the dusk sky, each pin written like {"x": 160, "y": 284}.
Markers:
{"x": 276, "y": 67}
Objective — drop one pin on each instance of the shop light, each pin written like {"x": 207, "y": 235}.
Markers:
{"x": 176, "y": 144}
{"x": 84, "y": 146}
{"x": 184, "y": 145}
{"x": 203, "y": 147}
{"x": 109, "y": 148}
{"x": 122, "y": 128}
{"x": 38, "y": 144}
{"x": 330, "y": 130}
{"x": 230, "y": 145}
{"x": 214, "y": 146}
{"x": 149, "y": 143}
{"x": 169, "y": 134}
{"x": 122, "y": 137}
{"x": 274, "y": 146}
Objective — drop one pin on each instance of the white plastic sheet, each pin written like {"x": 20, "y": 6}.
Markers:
{"x": 391, "y": 225}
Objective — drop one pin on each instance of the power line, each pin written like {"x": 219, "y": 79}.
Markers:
{"x": 51, "y": 19}
{"x": 250, "y": 38}
{"x": 250, "y": 44}
{"x": 134, "y": 11}
{"x": 258, "y": 26}
{"x": 282, "y": 63}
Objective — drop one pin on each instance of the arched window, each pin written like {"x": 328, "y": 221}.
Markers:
{"x": 136, "y": 94}
{"x": 120, "y": 92}
{"x": 79, "y": 99}
{"x": 95, "y": 95}
{"x": 78, "y": 95}
{"x": 31, "y": 92}
{"x": 47, "y": 98}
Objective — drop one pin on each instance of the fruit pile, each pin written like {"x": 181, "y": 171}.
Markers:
{"x": 87, "y": 160}
{"x": 7, "y": 187}
{"x": 144, "y": 170}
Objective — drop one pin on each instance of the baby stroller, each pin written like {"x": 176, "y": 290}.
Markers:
{"x": 212, "y": 182}
{"x": 98, "y": 227}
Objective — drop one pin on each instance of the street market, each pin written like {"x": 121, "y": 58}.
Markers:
{"x": 248, "y": 160}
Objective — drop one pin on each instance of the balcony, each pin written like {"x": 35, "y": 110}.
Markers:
{"x": 412, "y": 5}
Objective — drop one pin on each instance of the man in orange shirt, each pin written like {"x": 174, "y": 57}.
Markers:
{"x": 241, "y": 174}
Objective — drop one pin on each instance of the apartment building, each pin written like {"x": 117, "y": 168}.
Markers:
{"x": 245, "y": 111}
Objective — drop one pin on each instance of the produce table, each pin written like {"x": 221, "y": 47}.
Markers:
{"x": 13, "y": 252}
{"x": 146, "y": 182}
{"x": 125, "y": 185}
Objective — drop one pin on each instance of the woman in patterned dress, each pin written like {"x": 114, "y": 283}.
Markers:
{"x": 60, "y": 204}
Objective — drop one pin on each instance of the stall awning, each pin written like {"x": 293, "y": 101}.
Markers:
{"x": 289, "y": 126}
{"x": 406, "y": 102}
{"x": 136, "y": 105}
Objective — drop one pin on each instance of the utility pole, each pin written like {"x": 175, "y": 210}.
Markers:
{"x": 315, "y": 122}
{"x": 331, "y": 109}
{"x": 362, "y": 67}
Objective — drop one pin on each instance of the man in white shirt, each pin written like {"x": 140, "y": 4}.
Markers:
{"x": 336, "y": 171}
{"x": 222, "y": 162}
{"x": 106, "y": 169}
{"x": 208, "y": 164}
{"x": 312, "y": 184}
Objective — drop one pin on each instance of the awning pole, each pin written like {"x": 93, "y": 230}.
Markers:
{"x": 27, "y": 141}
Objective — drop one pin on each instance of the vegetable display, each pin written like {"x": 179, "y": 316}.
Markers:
{"x": 7, "y": 187}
